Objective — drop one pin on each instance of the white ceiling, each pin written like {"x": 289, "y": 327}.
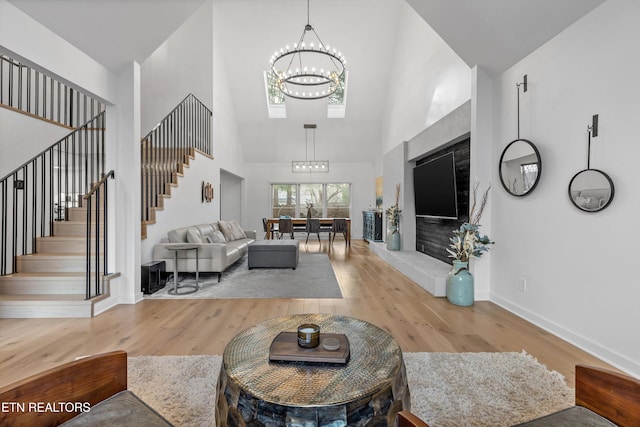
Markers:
{"x": 495, "y": 34}
{"x": 113, "y": 32}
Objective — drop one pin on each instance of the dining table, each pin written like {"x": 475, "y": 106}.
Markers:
{"x": 298, "y": 223}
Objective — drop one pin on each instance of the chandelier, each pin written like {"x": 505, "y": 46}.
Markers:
{"x": 307, "y": 165}
{"x": 309, "y": 70}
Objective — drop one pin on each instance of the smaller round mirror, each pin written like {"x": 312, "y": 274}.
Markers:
{"x": 591, "y": 190}
{"x": 520, "y": 167}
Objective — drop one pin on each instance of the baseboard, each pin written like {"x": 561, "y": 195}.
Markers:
{"x": 619, "y": 361}
{"x": 104, "y": 305}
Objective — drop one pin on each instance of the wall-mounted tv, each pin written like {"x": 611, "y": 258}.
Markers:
{"x": 434, "y": 188}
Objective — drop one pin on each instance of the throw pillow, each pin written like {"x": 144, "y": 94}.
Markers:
{"x": 225, "y": 228}
{"x": 178, "y": 235}
{"x": 231, "y": 230}
{"x": 238, "y": 232}
{"x": 193, "y": 235}
{"x": 216, "y": 237}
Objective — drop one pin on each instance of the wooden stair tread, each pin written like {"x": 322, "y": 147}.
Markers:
{"x": 63, "y": 255}
{"x": 62, "y": 239}
{"x": 44, "y": 298}
{"x": 45, "y": 275}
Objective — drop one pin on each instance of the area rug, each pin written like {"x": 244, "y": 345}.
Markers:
{"x": 447, "y": 389}
{"x": 313, "y": 278}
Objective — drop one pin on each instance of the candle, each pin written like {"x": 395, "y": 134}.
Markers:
{"x": 308, "y": 335}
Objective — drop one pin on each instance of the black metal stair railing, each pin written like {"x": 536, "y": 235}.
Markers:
{"x": 163, "y": 150}
{"x": 41, "y": 191}
{"x": 27, "y": 90}
{"x": 97, "y": 199}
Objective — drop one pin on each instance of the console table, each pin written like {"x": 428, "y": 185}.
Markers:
{"x": 372, "y": 226}
{"x": 368, "y": 390}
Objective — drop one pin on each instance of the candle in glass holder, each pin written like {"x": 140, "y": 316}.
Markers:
{"x": 308, "y": 335}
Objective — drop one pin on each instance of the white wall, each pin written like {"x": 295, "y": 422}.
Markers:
{"x": 24, "y": 138}
{"x": 226, "y": 148}
{"x": 579, "y": 267}
{"x": 230, "y": 194}
{"x": 183, "y": 64}
{"x": 260, "y": 176}
{"x": 28, "y": 41}
{"x": 123, "y": 156}
{"x": 428, "y": 81}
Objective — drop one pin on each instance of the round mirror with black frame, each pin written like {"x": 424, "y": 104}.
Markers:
{"x": 591, "y": 190}
{"x": 520, "y": 167}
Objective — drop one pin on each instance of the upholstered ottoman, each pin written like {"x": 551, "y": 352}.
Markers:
{"x": 273, "y": 254}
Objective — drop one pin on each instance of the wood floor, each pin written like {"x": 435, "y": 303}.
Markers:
{"x": 372, "y": 290}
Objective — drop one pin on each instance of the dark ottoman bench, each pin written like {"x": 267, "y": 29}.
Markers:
{"x": 273, "y": 254}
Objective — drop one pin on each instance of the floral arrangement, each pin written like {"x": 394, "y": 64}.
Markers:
{"x": 467, "y": 241}
{"x": 394, "y": 211}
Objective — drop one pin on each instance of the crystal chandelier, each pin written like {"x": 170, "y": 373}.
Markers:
{"x": 306, "y": 165}
{"x": 309, "y": 70}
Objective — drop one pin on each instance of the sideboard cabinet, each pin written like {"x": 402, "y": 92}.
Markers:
{"x": 372, "y": 226}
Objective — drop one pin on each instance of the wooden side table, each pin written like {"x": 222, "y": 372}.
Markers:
{"x": 191, "y": 288}
{"x": 368, "y": 390}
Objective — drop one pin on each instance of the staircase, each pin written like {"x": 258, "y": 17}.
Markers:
{"x": 52, "y": 207}
{"x": 52, "y": 281}
{"x": 167, "y": 150}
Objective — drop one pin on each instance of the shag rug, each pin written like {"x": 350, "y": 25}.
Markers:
{"x": 447, "y": 389}
{"x": 313, "y": 278}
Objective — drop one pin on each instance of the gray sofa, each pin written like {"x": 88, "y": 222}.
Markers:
{"x": 220, "y": 244}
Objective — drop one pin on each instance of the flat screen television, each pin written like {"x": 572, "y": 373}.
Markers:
{"x": 434, "y": 188}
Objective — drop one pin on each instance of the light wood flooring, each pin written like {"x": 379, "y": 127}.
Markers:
{"x": 373, "y": 291}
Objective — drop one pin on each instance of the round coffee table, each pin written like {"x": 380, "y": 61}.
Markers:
{"x": 368, "y": 390}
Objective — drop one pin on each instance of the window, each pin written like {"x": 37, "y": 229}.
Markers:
{"x": 311, "y": 197}
{"x": 338, "y": 200}
{"x": 283, "y": 200}
{"x": 529, "y": 173}
{"x": 331, "y": 200}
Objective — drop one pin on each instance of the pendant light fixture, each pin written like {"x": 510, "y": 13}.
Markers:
{"x": 309, "y": 69}
{"x": 309, "y": 165}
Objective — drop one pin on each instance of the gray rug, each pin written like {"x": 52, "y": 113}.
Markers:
{"x": 447, "y": 389}
{"x": 313, "y": 278}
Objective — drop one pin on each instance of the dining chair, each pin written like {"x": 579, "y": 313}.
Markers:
{"x": 339, "y": 225}
{"x": 407, "y": 419}
{"x": 285, "y": 227}
{"x": 313, "y": 226}
{"x": 269, "y": 231}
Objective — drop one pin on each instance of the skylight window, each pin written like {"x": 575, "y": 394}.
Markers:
{"x": 276, "y": 106}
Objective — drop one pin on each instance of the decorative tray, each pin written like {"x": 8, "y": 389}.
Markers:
{"x": 284, "y": 348}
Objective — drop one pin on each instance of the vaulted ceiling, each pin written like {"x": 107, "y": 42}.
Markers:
{"x": 495, "y": 34}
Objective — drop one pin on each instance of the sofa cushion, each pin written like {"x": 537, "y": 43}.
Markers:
{"x": 216, "y": 237}
{"x": 179, "y": 235}
{"x": 121, "y": 409}
{"x": 205, "y": 230}
{"x": 575, "y": 416}
{"x": 231, "y": 230}
{"x": 193, "y": 235}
